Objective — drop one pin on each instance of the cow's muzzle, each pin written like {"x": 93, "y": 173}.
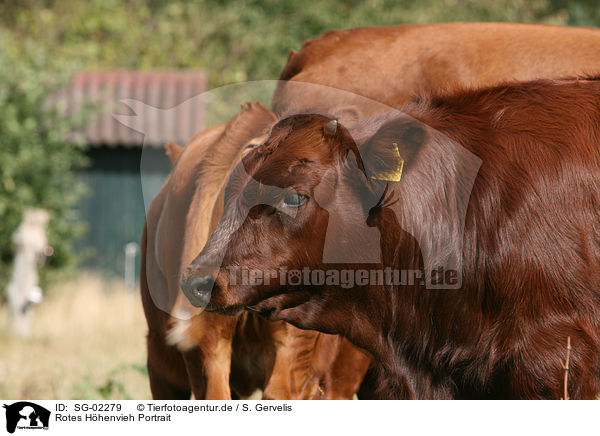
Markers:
{"x": 197, "y": 286}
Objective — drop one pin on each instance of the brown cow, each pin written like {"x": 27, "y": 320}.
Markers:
{"x": 519, "y": 162}
{"x": 391, "y": 64}
{"x": 204, "y": 353}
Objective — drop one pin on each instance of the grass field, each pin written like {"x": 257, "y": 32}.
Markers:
{"x": 88, "y": 342}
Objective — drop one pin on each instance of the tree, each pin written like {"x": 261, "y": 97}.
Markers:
{"x": 238, "y": 40}
{"x": 37, "y": 160}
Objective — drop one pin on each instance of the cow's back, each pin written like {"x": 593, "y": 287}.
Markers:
{"x": 391, "y": 64}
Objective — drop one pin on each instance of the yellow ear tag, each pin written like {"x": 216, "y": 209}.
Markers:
{"x": 395, "y": 174}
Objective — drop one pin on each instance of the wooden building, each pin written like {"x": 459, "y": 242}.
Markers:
{"x": 114, "y": 207}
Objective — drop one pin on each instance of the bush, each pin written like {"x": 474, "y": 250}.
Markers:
{"x": 37, "y": 162}
{"x": 239, "y": 40}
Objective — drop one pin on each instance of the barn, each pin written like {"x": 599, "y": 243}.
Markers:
{"x": 113, "y": 178}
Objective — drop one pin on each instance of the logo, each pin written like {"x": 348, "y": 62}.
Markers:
{"x": 26, "y": 415}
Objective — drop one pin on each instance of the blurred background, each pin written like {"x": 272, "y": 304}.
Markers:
{"x": 64, "y": 67}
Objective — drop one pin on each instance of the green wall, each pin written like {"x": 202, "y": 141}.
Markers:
{"x": 113, "y": 207}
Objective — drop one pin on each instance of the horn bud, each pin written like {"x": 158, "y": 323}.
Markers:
{"x": 331, "y": 127}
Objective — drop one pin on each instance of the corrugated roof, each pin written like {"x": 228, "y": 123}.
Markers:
{"x": 156, "y": 89}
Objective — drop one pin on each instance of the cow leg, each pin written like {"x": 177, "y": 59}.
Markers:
{"x": 278, "y": 386}
{"x": 194, "y": 366}
{"x": 342, "y": 376}
{"x": 163, "y": 390}
{"x": 217, "y": 365}
{"x": 208, "y": 356}
{"x": 166, "y": 371}
{"x": 292, "y": 375}
{"x": 166, "y": 368}
{"x": 208, "y": 372}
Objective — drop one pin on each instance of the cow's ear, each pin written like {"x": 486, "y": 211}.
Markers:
{"x": 173, "y": 151}
{"x": 392, "y": 149}
{"x": 291, "y": 54}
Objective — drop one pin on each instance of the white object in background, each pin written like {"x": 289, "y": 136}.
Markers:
{"x": 23, "y": 290}
{"x": 131, "y": 251}
{"x": 36, "y": 295}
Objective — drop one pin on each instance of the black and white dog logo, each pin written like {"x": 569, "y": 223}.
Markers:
{"x": 26, "y": 415}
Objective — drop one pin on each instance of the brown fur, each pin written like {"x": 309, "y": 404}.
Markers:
{"x": 392, "y": 64}
{"x": 530, "y": 252}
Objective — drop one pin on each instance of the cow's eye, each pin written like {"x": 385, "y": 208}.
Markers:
{"x": 294, "y": 200}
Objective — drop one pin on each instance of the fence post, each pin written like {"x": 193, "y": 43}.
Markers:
{"x": 131, "y": 251}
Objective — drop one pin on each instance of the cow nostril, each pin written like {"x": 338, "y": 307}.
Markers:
{"x": 204, "y": 284}
{"x": 198, "y": 289}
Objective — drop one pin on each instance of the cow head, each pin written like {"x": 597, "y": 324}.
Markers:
{"x": 306, "y": 200}
{"x": 313, "y": 207}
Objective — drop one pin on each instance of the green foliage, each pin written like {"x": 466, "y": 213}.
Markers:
{"x": 36, "y": 162}
{"x": 238, "y": 40}
{"x": 580, "y": 13}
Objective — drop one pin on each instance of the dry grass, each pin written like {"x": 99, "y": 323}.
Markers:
{"x": 88, "y": 342}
